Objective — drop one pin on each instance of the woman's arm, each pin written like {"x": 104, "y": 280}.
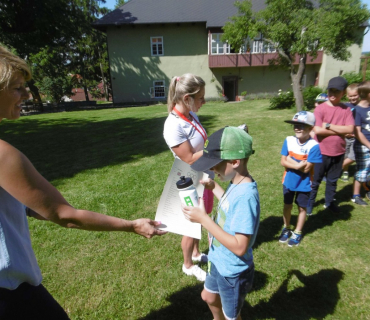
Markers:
{"x": 20, "y": 179}
{"x": 186, "y": 152}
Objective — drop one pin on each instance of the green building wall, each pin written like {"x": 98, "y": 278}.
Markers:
{"x": 133, "y": 69}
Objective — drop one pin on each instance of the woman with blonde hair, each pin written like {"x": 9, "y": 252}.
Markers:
{"x": 23, "y": 191}
{"x": 185, "y": 136}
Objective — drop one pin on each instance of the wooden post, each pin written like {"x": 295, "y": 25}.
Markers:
{"x": 364, "y": 67}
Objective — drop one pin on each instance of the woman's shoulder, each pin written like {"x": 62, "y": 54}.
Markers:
{"x": 7, "y": 150}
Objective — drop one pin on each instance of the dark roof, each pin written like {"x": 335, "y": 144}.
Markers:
{"x": 213, "y": 12}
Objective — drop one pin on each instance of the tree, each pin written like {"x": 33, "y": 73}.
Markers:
{"x": 120, "y": 3}
{"x": 299, "y": 28}
{"x": 53, "y": 36}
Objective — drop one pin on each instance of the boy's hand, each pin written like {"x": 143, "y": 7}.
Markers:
{"x": 208, "y": 183}
{"x": 195, "y": 214}
{"x": 301, "y": 165}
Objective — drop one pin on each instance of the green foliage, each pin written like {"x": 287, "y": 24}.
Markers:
{"x": 243, "y": 93}
{"x": 299, "y": 27}
{"x": 284, "y": 100}
{"x": 56, "y": 87}
{"x": 57, "y": 39}
{"x": 353, "y": 77}
{"x": 120, "y": 3}
{"x": 309, "y": 95}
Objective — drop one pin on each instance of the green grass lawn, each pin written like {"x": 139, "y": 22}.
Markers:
{"x": 116, "y": 162}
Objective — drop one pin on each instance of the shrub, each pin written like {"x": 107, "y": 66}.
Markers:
{"x": 284, "y": 100}
{"x": 309, "y": 95}
{"x": 353, "y": 77}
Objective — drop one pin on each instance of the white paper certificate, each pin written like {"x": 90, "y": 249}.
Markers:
{"x": 169, "y": 207}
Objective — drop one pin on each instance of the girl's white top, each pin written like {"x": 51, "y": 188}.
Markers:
{"x": 177, "y": 131}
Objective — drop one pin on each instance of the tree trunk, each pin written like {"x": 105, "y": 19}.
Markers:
{"x": 86, "y": 92}
{"x": 296, "y": 81}
{"x": 104, "y": 84}
{"x": 35, "y": 94}
{"x": 297, "y": 91}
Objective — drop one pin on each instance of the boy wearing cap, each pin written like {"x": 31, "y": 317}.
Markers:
{"x": 233, "y": 232}
{"x": 298, "y": 155}
{"x": 322, "y": 97}
{"x": 333, "y": 121}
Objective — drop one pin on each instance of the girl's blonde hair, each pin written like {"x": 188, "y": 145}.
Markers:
{"x": 180, "y": 86}
{"x": 11, "y": 64}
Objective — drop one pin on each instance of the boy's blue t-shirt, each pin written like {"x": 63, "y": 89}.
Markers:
{"x": 238, "y": 212}
{"x": 296, "y": 180}
{"x": 362, "y": 119}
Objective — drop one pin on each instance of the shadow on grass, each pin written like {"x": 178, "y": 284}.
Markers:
{"x": 63, "y": 147}
{"x": 187, "y": 303}
{"x": 306, "y": 297}
{"x": 269, "y": 228}
{"x": 315, "y": 297}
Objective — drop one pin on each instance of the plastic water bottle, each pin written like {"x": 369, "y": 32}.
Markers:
{"x": 187, "y": 192}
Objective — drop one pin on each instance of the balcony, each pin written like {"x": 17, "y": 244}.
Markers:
{"x": 234, "y": 60}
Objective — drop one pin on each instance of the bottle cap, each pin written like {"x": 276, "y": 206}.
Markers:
{"x": 183, "y": 183}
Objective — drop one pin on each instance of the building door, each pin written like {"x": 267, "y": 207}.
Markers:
{"x": 229, "y": 85}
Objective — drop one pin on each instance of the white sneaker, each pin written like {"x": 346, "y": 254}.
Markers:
{"x": 195, "y": 271}
{"x": 203, "y": 258}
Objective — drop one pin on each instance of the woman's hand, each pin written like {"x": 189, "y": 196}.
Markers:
{"x": 147, "y": 228}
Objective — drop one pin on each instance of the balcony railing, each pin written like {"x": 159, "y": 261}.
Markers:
{"x": 252, "y": 59}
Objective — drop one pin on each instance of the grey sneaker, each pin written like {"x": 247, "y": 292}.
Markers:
{"x": 359, "y": 201}
{"x": 195, "y": 271}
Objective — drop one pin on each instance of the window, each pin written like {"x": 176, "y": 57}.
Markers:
{"x": 156, "y": 46}
{"x": 260, "y": 46}
{"x": 219, "y": 47}
{"x": 158, "y": 90}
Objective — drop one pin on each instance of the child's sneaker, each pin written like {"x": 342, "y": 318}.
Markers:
{"x": 202, "y": 258}
{"x": 344, "y": 176}
{"x": 195, "y": 271}
{"x": 285, "y": 235}
{"x": 295, "y": 239}
{"x": 359, "y": 201}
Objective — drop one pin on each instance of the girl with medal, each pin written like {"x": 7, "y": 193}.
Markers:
{"x": 185, "y": 136}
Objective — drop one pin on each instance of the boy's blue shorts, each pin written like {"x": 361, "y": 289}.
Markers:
{"x": 232, "y": 291}
{"x": 301, "y": 198}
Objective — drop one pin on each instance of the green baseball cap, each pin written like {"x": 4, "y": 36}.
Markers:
{"x": 229, "y": 143}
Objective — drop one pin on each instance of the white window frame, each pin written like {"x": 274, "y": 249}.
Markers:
{"x": 260, "y": 46}
{"x": 217, "y": 46}
{"x": 156, "y": 46}
{"x": 159, "y": 89}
